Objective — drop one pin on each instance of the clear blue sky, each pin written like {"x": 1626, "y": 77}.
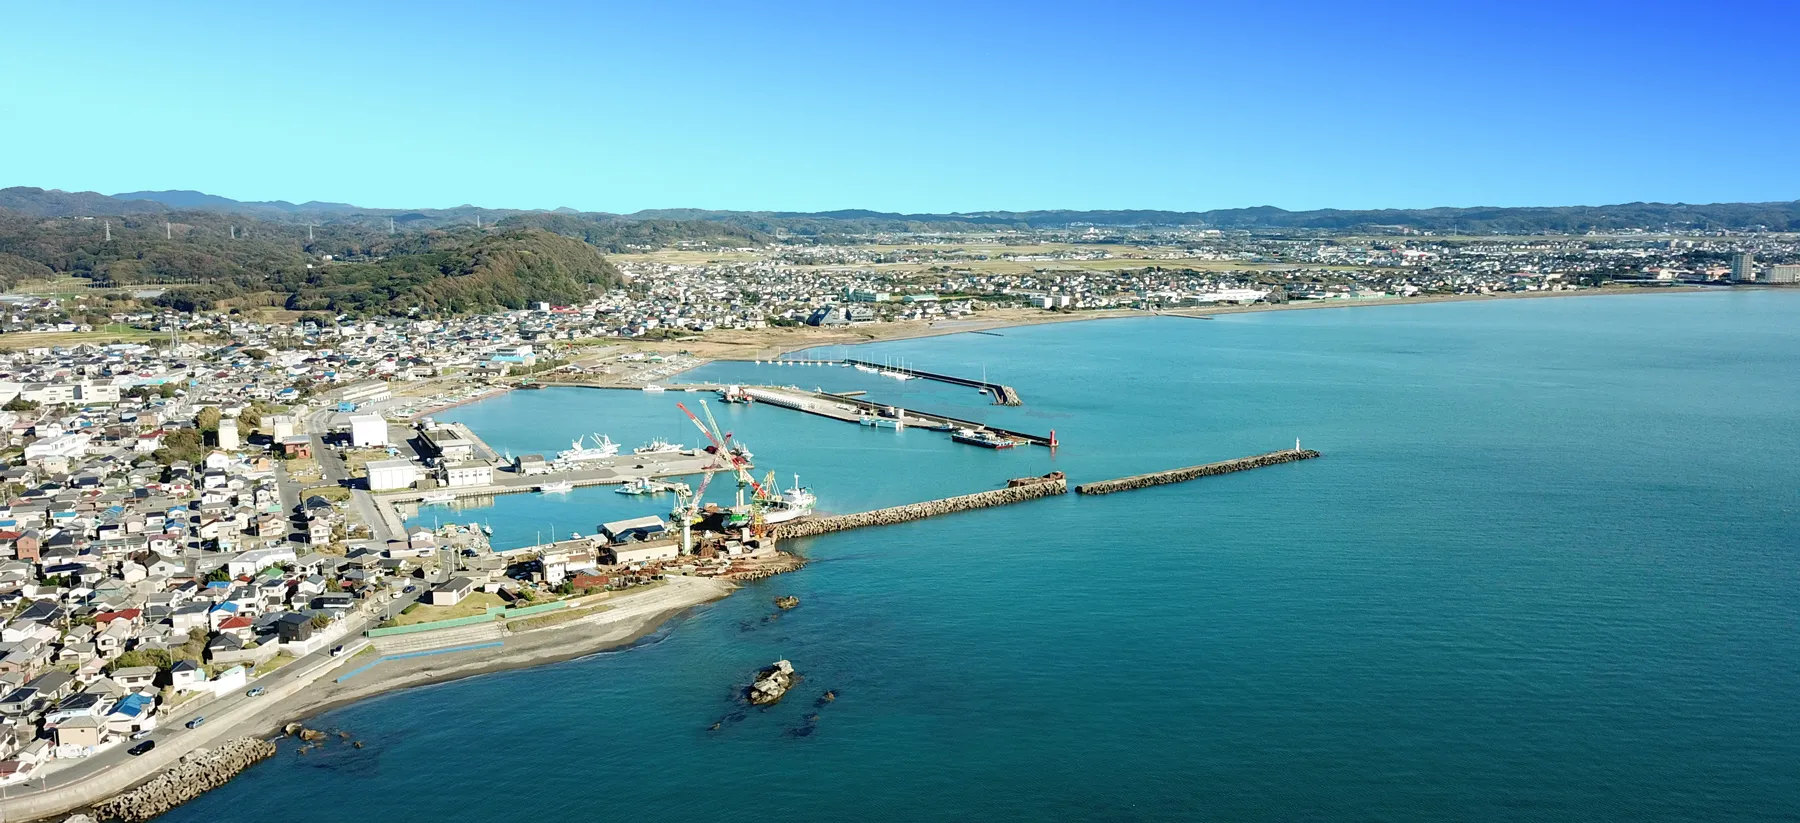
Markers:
{"x": 908, "y": 106}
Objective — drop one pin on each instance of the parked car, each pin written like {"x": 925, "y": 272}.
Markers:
{"x": 140, "y": 734}
{"x": 195, "y": 723}
{"x": 141, "y": 748}
{"x": 255, "y": 692}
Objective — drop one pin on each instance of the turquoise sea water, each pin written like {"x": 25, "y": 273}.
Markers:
{"x": 1546, "y": 570}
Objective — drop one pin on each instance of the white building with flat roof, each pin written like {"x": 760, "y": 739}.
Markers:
{"x": 390, "y": 475}
{"x": 368, "y": 431}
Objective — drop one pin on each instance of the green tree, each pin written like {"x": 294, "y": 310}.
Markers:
{"x": 218, "y": 575}
{"x": 208, "y": 419}
{"x": 20, "y": 404}
{"x": 320, "y": 621}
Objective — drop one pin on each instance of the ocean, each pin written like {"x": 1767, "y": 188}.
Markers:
{"x": 1545, "y": 570}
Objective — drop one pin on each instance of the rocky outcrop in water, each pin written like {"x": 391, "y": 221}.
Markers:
{"x": 920, "y": 511}
{"x": 1141, "y": 481}
{"x": 772, "y": 682}
{"x": 786, "y": 601}
{"x": 200, "y": 770}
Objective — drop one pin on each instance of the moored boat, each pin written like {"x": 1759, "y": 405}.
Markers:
{"x": 983, "y": 438}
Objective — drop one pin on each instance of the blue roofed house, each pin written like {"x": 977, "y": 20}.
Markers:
{"x": 134, "y": 712}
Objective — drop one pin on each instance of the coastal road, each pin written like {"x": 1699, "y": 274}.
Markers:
{"x": 226, "y": 714}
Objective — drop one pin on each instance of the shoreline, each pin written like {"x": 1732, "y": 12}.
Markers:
{"x": 621, "y": 627}
{"x": 612, "y": 630}
{"x": 978, "y": 324}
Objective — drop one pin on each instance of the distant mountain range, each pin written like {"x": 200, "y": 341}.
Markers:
{"x": 1777, "y": 216}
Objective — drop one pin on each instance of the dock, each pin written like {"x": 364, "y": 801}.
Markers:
{"x": 1140, "y": 481}
{"x": 1003, "y": 395}
{"x": 851, "y": 410}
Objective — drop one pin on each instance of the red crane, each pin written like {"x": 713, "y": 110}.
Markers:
{"x": 738, "y": 463}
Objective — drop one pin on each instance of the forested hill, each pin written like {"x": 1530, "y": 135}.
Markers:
{"x": 207, "y": 259}
{"x": 509, "y": 269}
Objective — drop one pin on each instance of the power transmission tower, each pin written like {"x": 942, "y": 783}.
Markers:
{"x": 109, "y": 231}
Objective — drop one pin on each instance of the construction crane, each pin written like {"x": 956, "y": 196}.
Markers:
{"x": 687, "y": 510}
{"x": 739, "y": 465}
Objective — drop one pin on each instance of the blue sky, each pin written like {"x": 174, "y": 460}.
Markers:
{"x": 916, "y": 106}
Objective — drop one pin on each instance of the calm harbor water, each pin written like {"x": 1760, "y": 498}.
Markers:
{"x": 1546, "y": 570}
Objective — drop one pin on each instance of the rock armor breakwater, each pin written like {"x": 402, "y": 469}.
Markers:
{"x": 1139, "y": 481}
{"x": 920, "y": 511}
{"x": 194, "y": 774}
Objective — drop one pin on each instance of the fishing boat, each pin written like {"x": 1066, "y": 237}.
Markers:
{"x": 555, "y": 487}
{"x": 734, "y": 394}
{"x": 437, "y": 497}
{"x": 576, "y": 453}
{"x": 797, "y": 501}
{"x": 983, "y": 438}
{"x": 637, "y": 485}
{"x": 657, "y": 446}
{"x": 653, "y": 388}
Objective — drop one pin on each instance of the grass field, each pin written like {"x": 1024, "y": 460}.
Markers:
{"x": 476, "y": 603}
{"x": 111, "y": 334}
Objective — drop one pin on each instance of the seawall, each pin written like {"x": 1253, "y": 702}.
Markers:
{"x": 195, "y": 774}
{"x": 919, "y": 511}
{"x": 1139, "y": 481}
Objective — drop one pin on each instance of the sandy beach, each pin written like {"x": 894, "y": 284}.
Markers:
{"x": 631, "y": 618}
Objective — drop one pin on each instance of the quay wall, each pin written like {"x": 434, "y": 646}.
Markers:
{"x": 1141, "y": 481}
{"x": 919, "y": 511}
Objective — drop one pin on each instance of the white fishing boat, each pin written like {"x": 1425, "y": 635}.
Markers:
{"x": 637, "y": 485}
{"x": 576, "y": 453}
{"x": 797, "y": 501}
{"x": 437, "y": 497}
{"x": 657, "y": 446}
{"x": 555, "y": 487}
{"x": 653, "y": 388}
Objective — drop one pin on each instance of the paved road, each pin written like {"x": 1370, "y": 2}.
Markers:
{"x": 172, "y": 732}
{"x": 317, "y": 424}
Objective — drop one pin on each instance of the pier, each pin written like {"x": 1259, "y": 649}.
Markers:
{"x": 1003, "y": 395}
{"x": 919, "y": 511}
{"x": 850, "y": 409}
{"x": 1140, "y": 481}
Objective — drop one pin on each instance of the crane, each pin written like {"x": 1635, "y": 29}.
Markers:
{"x": 687, "y": 510}
{"x": 739, "y": 465}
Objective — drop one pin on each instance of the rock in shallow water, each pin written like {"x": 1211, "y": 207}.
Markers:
{"x": 771, "y": 683}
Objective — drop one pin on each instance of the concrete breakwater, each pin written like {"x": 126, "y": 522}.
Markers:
{"x": 1140, "y": 481}
{"x": 920, "y": 511}
{"x": 196, "y": 773}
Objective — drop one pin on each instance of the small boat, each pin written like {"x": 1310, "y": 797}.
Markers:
{"x": 653, "y": 388}
{"x": 637, "y": 485}
{"x": 658, "y": 446}
{"x": 555, "y": 487}
{"x": 437, "y": 497}
{"x": 983, "y": 438}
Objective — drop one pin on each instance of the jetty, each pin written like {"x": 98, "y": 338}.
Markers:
{"x": 1003, "y": 395}
{"x": 1140, "y": 481}
{"x": 850, "y": 409}
{"x": 1048, "y": 487}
